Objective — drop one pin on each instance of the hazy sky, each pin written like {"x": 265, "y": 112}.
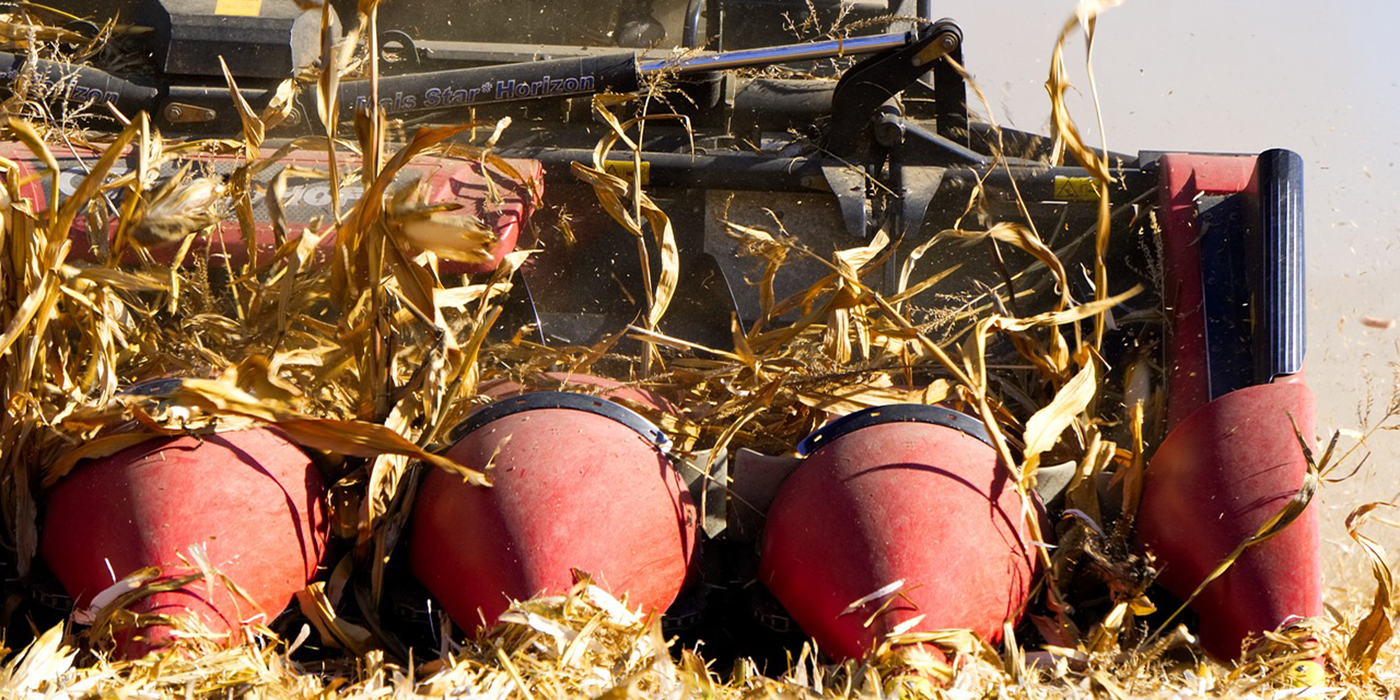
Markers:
{"x": 1322, "y": 79}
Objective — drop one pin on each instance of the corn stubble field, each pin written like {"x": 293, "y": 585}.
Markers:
{"x": 303, "y": 346}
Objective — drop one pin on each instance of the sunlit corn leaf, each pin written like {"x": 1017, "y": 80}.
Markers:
{"x": 40, "y": 665}
{"x": 352, "y": 438}
{"x": 135, "y": 281}
{"x": 1067, "y": 136}
{"x": 1374, "y": 630}
{"x": 108, "y": 596}
{"x": 439, "y": 229}
{"x": 1026, "y": 239}
{"x": 612, "y": 190}
{"x": 450, "y": 236}
{"x": 96, "y": 448}
{"x": 382, "y": 492}
{"x": 336, "y": 53}
{"x": 758, "y": 243}
{"x": 612, "y": 193}
{"x": 371, "y": 204}
{"x": 841, "y": 400}
{"x": 25, "y": 133}
{"x": 253, "y": 129}
{"x": 1065, "y": 131}
{"x": 92, "y": 183}
{"x": 115, "y": 615}
{"x": 1044, "y": 428}
{"x": 281, "y": 106}
{"x": 1134, "y": 475}
{"x": 28, "y": 309}
{"x": 851, "y": 261}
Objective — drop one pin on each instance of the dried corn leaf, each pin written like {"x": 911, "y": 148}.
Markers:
{"x": 39, "y": 666}
{"x": 96, "y": 448}
{"x": 611, "y": 191}
{"x": 437, "y": 228}
{"x": 839, "y": 401}
{"x": 25, "y": 133}
{"x": 1376, "y": 629}
{"x": 91, "y": 184}
{"x": 335, "y": 630}
{"x": 1044, "y": 428}
{"x": 253, "y": 129}
{"x": 281, "y": 106}
{"x": 1028, "y": 240}
{"x": 43, "y": 295}
{"x": 119, "y": 279}
{"x": 351, "y": 438}
{"x": 371, "y": 204}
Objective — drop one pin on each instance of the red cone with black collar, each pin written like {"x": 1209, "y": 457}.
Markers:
{"x": 251, "y": 500}
{"x": 580, "y": 483}
{"x": 908, "y": 509}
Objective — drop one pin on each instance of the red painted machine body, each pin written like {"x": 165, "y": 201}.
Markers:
{"x": 252, "y": 500}
{"x": 1229, "y": 464}
{"x": 1184, "y": 178}
{"x": 573, "y": 490}
{"x": 502, "y": 205}
{"x": 1216, "y": 479}
{"x": 902, "y": 501}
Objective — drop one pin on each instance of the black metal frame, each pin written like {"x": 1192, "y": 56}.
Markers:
{"x": 897, "y": 413}
{"x": 567, "y": 400}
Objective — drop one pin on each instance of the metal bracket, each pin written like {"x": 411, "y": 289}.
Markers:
{"x": 876, "y": 80}
{"x": 917, "y": 186}
{"x": 848, "y": 183}
{"x": 183, "y": 113}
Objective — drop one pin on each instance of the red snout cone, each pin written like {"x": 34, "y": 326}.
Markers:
{"x": 574, "y": 489}
{"x": 886, "y": 499}
{"x": 251, "y": 499}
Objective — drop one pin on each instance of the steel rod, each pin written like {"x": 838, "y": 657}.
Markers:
{"x": 748, "y": 58}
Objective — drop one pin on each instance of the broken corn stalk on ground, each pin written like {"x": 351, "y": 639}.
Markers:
{"x": 370, "y": 359}
{"x": 587, "y": 644}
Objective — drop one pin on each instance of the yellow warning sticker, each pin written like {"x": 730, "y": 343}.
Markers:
{"x": 624, "y": 170}
{"x": 238, "y": 8}
{"x": 1075, "y": 189}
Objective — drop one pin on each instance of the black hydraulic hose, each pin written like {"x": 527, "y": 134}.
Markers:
{"x": 469, "y": 87}
{"x": 82, "y": 84}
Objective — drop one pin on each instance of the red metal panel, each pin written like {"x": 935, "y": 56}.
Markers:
{"x": 1184, "y": 179}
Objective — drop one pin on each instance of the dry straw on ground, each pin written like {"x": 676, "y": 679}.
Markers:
{"x": 371, "y": 357}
